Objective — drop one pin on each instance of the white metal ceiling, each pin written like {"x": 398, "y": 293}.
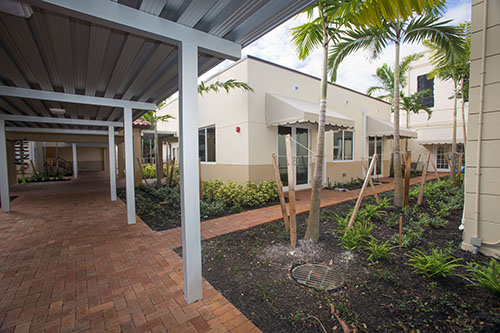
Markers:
{"x": 55, "y": 52}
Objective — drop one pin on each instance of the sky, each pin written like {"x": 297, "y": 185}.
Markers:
{"x": 356, "y": 70}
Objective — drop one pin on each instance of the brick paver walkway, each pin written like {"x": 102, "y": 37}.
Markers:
{"x": 69, "y": 262}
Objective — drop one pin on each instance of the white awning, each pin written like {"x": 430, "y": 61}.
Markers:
{"x": 379, "y": 127}
{"x": 282, "y": 110}
{"x": 437, "y": 136}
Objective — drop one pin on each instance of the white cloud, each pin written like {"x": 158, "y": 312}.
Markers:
{"x": 356, "y": 70}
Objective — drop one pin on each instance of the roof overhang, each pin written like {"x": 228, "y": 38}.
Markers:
{"x": 438, "y": 136}
{"x": 381, "y": 128}
{"x": 281, "y": 111}
{"x": 103, "y": 55}
{"x": 162, "y": 135}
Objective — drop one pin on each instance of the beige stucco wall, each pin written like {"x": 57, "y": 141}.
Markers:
{"x": 442, "y": 112}
{"x": 489, "y": 198}
{"x": 247, "y": 155}
{"x": 89, "y": 158}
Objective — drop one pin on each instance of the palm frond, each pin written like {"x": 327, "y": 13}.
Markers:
{"x": 437, "y": 32}
{"x": 226, "y": 85}
{"x": 307, "y": 37}
{"x": 373, "y": 38}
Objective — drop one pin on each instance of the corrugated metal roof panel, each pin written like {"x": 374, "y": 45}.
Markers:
{"x": 54, "y": 51}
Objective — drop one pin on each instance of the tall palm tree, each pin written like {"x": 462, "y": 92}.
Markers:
{"x": 376, "y": 38}
{"x": 454, "y": 67}
{"x": 322, "y": 29}
{"x": 385, "y": 78}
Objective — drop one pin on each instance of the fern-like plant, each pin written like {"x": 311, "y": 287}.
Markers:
{"x": 487, "y": 276}
{"x": 378, "y": 250}
{"x": 438, "y": 263}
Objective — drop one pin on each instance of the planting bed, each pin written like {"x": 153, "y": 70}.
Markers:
{"x": 252, "y": 269}
{"x": 162, "y": 212}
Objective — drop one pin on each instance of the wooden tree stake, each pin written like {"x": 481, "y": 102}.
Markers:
{"x": 374, "y": 190}
{"x": 422, "y": 182}
{"x": 416, "y": 164}
{"x": 142, "y": 173}
{"x": 167, "y": 166}
{"x": 407, "y": 178}
{"x": 435, "y": 169}
{"x": 360, "y": 197}
{"x": 291, "y": 191}
{"x": 448, "y": 160}
{"x": 281, "y": 195}
{"x": 459, "y": 174}
{"x": 33, "y": 167}
{"x": 172, "y": 171}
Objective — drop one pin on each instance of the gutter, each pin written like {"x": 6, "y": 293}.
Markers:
{"x": 476, "y": 240}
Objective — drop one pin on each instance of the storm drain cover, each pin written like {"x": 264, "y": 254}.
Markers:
{"x": 317, "y": 276}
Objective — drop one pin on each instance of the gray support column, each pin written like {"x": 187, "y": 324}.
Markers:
{"x": 129, "y": 164}
{"x": 112, "y": 162}
{"x": 75, "y": 162}
{"x": 189, "y": 171}
{"x": 4, "y": 173}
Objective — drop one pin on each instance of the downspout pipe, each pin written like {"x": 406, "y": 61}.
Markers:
{"x": 476, "y": 240}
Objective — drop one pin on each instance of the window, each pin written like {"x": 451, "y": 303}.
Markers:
{"x": 441, "y": 161}
{"x": 423, "y": 83}
{"x": 206, "y": 140}
{"x": 343, "y": 145}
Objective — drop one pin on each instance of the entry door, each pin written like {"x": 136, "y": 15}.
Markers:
{"x": 375, "y": 146}
{"x": 300, "y": 147}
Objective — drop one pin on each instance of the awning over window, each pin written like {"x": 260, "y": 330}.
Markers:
{"x": 379, "y": 127}
{"x": 438, "y": 136}
{"x": 282, "y": 111}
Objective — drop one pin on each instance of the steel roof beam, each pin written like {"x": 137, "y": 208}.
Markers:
{"x": 56, "y": 130}
{"x": 121, "y": 17}
{"x": 73, "y": 98}
{"x": 54, "y": 120}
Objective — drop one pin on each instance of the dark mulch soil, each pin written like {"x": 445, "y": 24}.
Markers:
{"x": 251, "y": 268}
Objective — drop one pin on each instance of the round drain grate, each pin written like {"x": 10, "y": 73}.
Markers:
{"x": 317, "y": 276}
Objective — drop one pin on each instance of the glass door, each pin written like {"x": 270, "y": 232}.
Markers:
{"x": 300, "y": 150}
{"x": 375, "y": 146}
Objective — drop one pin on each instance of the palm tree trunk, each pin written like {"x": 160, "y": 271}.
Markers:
{"x": 398, "y": 175}
{"x": 312, "y": 231}
{"x": 453, "y": 165}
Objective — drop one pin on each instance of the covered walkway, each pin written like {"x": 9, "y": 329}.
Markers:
{"x": 69, "y": 263}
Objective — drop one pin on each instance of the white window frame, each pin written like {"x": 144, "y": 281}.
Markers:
{"x": 206, "y": 144}
{"x": 343, "y": 146}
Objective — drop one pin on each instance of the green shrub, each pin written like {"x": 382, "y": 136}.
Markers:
{"x": 236, "y": 195}
{"x": 211, "y": 208}
{"x": 487, "y": 276}
{"x": 149, "y": 170}
{"x": 378, "y": 250}
{"x": 384, "y": 204}
{"x": 369, "y": 212}
{"x": 438, "y": 263}
{"x": 412, "y": 235}
{"x": 357, "y": 235}
{"x": 426, "y": 220}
